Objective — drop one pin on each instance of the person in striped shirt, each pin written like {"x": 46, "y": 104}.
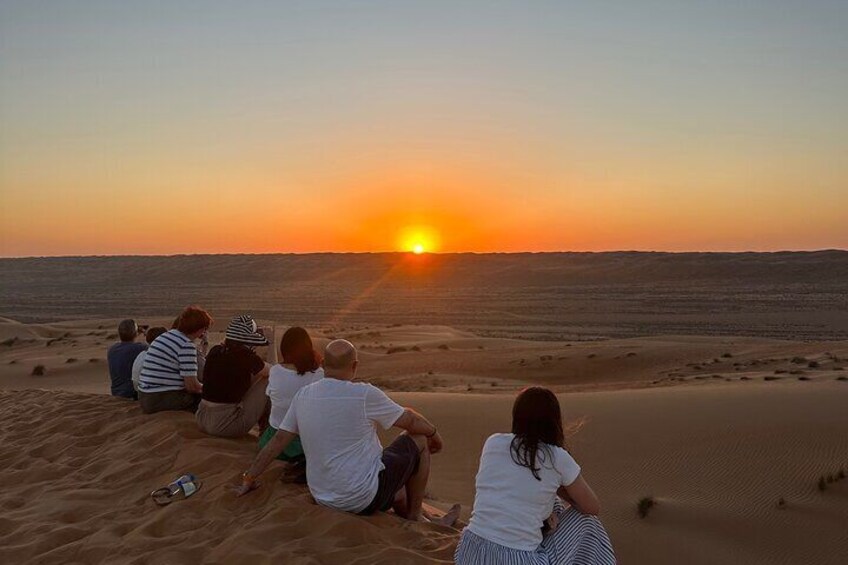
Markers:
{"x": 169, "y": 374}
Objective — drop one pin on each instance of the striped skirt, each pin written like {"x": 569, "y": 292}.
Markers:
{"x": 578, "y": 540}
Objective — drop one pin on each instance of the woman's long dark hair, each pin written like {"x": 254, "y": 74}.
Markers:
{"x": 296, "y": 348}
{"x": 536, "y": 424}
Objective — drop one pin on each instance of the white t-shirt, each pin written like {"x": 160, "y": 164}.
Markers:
{"x": 283, "y": 384}
{"x": 510, "y": 504}
{"x": 136, "y": 368}
{"x": 336, "y": 422}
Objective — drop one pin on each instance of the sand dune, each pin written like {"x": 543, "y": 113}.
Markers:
{"x": 717, "y": 459}
{"x": 717, "y": 429}
{"x": 439, "y": 358}
{"x": 83, "y": 466}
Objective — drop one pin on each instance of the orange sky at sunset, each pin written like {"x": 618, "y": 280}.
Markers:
{"x": 460, "y": 127}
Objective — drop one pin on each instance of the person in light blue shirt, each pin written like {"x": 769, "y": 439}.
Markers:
{"x": 121, "y": 357}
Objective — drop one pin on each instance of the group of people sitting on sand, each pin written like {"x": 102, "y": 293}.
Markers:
{"x": 532, "y": 504}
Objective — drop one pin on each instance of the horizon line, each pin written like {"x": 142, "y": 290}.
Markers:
{"x": 426, "y": 253}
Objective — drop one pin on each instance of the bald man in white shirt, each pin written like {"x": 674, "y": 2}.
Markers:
{"x": 346, "y": 466}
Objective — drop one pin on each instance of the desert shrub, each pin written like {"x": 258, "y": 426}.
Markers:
{"x": 830, "y": 479}
{"x": 779, "y": 371}
{"x": 415, "y": 348}
{"x": 772, "y": 378}
{"x": 803, "y": 378}
{"x": 112, "y": 336}
{"x": 744, "y": 378}
{"x": 841, "y": 474}
{"x": 813, "y": 364}
{"x": 444, "y": 347}
{"x": 10, "y": 341}
{"x": 822, "y": 484}
{"x": 39, "y": 370}
{"x": 546, "y": 358}
{"x": 842, "y": 378}
{"x": 643, "y": 507}
{"x": 591, "y": 356}
{"x": 781, "y": 503}
{"x": 395, "y": 350}
{"x": 631, "y": 354}
{"x": 727, "y": 355}
{"x": 71, "y": 360}
{"x": 93, "y": 360}
{"x": 798, "y": 360}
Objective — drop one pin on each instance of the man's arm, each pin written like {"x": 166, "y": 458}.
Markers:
{"x": 272, "y": 449}
{"x": 416, "y": 424}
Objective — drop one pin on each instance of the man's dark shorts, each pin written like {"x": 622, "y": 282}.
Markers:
{"x": 401, "y": 460}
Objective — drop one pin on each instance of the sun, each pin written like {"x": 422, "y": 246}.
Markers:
{"x": 418, "y": 239}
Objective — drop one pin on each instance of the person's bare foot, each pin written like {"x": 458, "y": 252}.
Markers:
{"x": 449, "y": 519}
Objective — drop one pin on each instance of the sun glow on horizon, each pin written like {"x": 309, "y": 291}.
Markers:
{"x": 418, "y": 240}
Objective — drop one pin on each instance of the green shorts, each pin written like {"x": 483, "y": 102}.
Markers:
{"x": 292, "y": 452}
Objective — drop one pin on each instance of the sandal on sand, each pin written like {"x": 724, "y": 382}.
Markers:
{"x": 188, "y": 484}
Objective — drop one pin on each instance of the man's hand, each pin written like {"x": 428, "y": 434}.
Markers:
{"x": 434, "y": 443}
{"x": 245, "y": 487}
{"x": 192, "y": 385}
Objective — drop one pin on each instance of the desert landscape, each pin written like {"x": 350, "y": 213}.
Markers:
{"x": 640, "y": 206}
{"x": 713, "y": 432}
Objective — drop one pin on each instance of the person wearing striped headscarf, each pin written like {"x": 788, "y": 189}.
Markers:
{"x": 524, "y": 482}
{"x": 234, "y": 381}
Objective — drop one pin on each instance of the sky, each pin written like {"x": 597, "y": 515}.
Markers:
{"x": 263, "y": 127}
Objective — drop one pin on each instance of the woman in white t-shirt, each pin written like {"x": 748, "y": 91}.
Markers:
{"x": 524, "y": 478}
{"x": 301, "y": 366}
